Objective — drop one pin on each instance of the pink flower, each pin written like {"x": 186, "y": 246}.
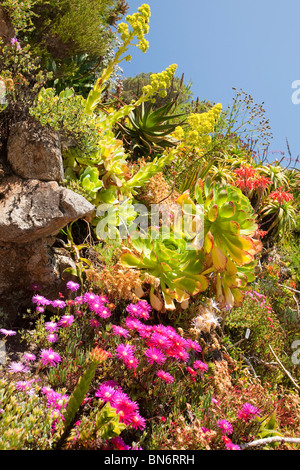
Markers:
{"x": 51, "y": 326}
{"x": 181, "y": 355}
{"x": 48, "y": 356}
{"x": 119, "y": 331}
{"x": 193, "y": 345}
{"x": 94, "y": 323}
{"x": 66, "y": 320}
{"x": 144, "y": 331}
{"x": 200, "y": 365}
{"x": 119, "y": 444}
{"x": 160, "y": 341}
{"x": 155, "y": 355}
{"x": 131, "y": 363}
{"x": 58, "y": 303}
{"x": 18, "y": 367}
{"x": 248, "y": 411}
{"x": 73, "y": 286}
{"x": 40, "y": 300}
{"x": 225, "y": 426}
{"x": 23, "y": 385}
{"x": 7, "y": 332}
{"x": 52, "y": 337}
{"x": 191, "y": 371}
{"x": 168, "y": 378}
{"x": 29, "y": 357}
{"x": 105, "y": 392}
{"x": 125, "y": 408}
{"x": 104, "y": 313}
{"x": 133, "y": 310}
{"x": 133, "y": 324}
{"x": 229, "y": 444}
{"x": 125, "y": 352}
{"x": 137, "y": 422}
{"x": 57, "y": 400}
{"x": 15, "y": 42}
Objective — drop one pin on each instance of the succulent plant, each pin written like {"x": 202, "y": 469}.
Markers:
{"x": 149, "y": 129}
{"x": 167, "y": 259}
{"x": 229, "y": 245}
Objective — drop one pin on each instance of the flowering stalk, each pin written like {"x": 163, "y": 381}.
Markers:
{"x": 139, "y": 24}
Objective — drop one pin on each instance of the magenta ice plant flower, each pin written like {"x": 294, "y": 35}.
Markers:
{"x": 66, "y": 320}
{"x": 40, "y": 300}
{"x": 7, "y": 332}
{"x": 52, "y": 337}
{"x": 225, "y": 426}
{"x": 104, "y": 312}
{"x": 200, "y": 365}
{"x": 155, "y": 355}
{"x": 29, "y": 357}
{"x": 48, "y": 356}
{"x": 138, "y": 422}
{"x": 51, "y": 326}
{"x": 168, "y": 378}
{"x": 17, "y": 367}
{"x": 94, "y": 323}
{"x": 248, "y": 411}
{"x": 119, "y": 331}
{"x": 133, "y": 310}
{"x": 105, "y": 392}
{"x": 159, "y": 341}
{"x": 23, "y": 385}
{"x": 119, "y": 443}
{"x": 124, "y": 351}
{"x": 73, "y": 286}
{"x": 193, "y": 345}
{"x": 58, "y": 303}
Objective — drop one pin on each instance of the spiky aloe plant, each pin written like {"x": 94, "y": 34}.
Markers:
{"x": 149, "y": 130}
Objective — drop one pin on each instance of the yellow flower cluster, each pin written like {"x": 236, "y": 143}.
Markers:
{"x": 139, "y": 23}
{"x": 201, "y": 126}
{"x": 159, "y": 82}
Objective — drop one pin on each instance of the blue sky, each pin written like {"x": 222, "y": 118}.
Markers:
{"x": 252, "y": 45}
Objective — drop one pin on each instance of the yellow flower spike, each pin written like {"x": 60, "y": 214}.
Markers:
{"x": 139, "y": 24}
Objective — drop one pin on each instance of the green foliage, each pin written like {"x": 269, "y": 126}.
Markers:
{"x": 277, "y": 218}
{"x": 228, "y": 243}
{"x": 178, "y": 92}
{"x": 167, "y": 258}
{"x": 62, "y": 31}
{"x": 21, "y": 13}
{"x": 25, "y": 424}
{"x": 148, "y": 131}
{"x": 101, "y": 424}
{"x": 82, "y": 387}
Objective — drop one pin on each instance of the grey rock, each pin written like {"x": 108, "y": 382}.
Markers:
{"x": 33, "y": 209}
{"x": 34, "y": 152}
{"x": 22, "y": 266}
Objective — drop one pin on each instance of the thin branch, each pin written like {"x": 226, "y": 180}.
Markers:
{"x": 283, "y": 368}
{"x": 290, "y": 288}
{"x": 269, "y": 440}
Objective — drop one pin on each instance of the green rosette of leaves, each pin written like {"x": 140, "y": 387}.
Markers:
{"x": 174, "y": 269}
{"x": 229, "y": 243}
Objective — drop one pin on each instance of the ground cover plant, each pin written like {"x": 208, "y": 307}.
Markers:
{"x": 180, "y": 326}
